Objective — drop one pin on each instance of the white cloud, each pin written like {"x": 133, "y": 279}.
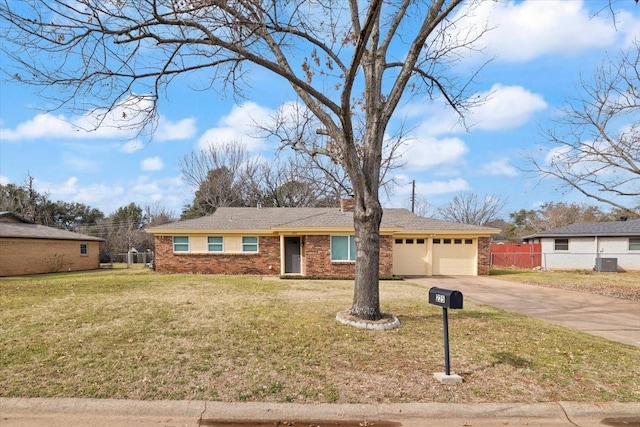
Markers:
{"x": 123, "y": 122}
{"x": 94, "y": 195}
{"x": 429, "y": 152}
{"x": 499, "y": 168}
{"x": 132, "y": 146}
{"x": 152, "y": 164}
{"x": 524, "y": 30}
{"x": 239, "y": 125}
{"x": 442, "y": 187}
{"x": 630, "y": 27}
{"x": 169, "y": 192}
{"x": 4, "y": 180}
{"x": 169, "y": 131}
{"x": 506, "y": 107}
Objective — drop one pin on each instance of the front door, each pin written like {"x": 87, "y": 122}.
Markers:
{"x": 292, "y": 255}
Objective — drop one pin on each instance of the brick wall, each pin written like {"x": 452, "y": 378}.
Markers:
{"x": 316, "y": 253}
{"x": 484, "y": 256}
{"x": 318, "y": 258}
{"x": 166, "y": 261}
{"x": 36, "y": 256}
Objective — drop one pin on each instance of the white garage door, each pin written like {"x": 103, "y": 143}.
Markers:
{"x": 455, "y": 257}
{"x": 410, "y": 257}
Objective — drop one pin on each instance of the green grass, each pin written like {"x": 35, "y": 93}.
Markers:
{"x": 135, "y": 334}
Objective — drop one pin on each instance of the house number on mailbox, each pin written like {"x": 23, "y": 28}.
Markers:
{"x": 440, "y": 298}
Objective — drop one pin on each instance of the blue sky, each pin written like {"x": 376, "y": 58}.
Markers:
{"x": 541, "y": 48}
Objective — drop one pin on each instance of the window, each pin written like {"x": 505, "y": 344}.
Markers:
{"x": 409, "y": 241}
{"x": 561, "y": 244}
{"x": 249, "y": 244}
{"x": 343, "y": 248}
{"x": 447, "y": 241}
{"x": 420, "y": 241}
{"x": 468, "y": 241}
{"x": 180, "y": 243}
{"x": 83, "y": 249}
{"x": 398, "y": 241}
{"x": 634, "y": 244}
{"x": 457, "y": 241}
{"x": 215, "y": 244}
{"x": 436, "y": 241}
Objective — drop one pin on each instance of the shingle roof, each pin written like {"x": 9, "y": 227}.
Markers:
{"x": 611, "y": 228}
{"x": 305, "y": 218}
{"x": 28, "y": 230}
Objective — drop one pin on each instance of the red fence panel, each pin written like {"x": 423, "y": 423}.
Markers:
{"x": 520, "y": 255}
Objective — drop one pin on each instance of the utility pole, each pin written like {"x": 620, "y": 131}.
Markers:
{"x": 413, "y": 196}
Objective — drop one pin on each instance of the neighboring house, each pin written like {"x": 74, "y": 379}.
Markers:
{"x": 316, "y": 242}
{"x": 28, "y": 248}
{"x": 602, "y": 246}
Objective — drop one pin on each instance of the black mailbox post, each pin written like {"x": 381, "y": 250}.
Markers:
{"x": 445, "y": 298}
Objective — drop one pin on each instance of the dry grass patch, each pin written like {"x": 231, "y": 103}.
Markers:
{"x": 135, "y": 334}
{"x": 618, "y": 285}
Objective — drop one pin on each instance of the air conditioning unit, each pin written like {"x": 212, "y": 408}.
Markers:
{"x": 607, "y": 265}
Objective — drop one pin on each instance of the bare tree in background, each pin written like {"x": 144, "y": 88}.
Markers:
{"x": 551, "y": 215}
{"x": 349, "y": 63}
{"x": 155, "y": 214}
{"x": 25, "y": 201}
{"x": 595, "y": 147}
{"x": 469, "y": 208}
{"x": 221, "y": 176}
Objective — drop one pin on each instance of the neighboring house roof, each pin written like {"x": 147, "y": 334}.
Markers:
{"x": 10, "y": 216}
{"x": 592, "y": 229}
{"x": 289, "y": 219}
{"x": 12, "y": 225}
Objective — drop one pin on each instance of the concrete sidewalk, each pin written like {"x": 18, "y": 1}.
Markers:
{"x": 612, "y": 318}
{"x": 125, "y": 413}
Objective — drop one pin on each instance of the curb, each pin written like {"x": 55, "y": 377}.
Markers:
{"x": 276, "y": 411}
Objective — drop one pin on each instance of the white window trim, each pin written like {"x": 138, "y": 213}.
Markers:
{"x": 209, "y": 245}
{"x": 349, "y": 237}
{"x": 173, "y": 241}
{"x": 637, "y": 242}
{"x": 257, "y": 245}
{"x": 555, "y": 249}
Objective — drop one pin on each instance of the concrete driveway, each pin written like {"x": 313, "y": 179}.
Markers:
{"x": 612, "y": 318}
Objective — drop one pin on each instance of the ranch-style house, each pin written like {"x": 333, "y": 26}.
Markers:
{"x": 317, "y": 242}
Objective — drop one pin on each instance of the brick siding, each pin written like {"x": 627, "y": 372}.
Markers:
{"x": 36, "y": 256}
{"x": 316, "y": 259}
{"x": 166, "y": 261}
{"x": 484, "y": 256}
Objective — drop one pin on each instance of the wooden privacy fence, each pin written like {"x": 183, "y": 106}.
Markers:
{"x": 519, "y": 255}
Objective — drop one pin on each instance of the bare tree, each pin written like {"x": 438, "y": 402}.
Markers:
{"x": 595, "y": 145}
{"x": 468, "y": 208}
{"x": 155, "y": 214}
{"x": 25, "y": 201}
{"x": 301, "y": 180}
{"x": 349, "y": 63}
{"x": 549, "y": 216}
{"x": 220, "y": 175}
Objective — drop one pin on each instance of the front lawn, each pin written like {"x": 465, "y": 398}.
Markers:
{"x": 618, "y": 285}
{"x": 136, "y": 334}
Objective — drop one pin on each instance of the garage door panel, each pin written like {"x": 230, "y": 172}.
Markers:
{"x": 409, "y": 259}
{"x": 455, "y": 259}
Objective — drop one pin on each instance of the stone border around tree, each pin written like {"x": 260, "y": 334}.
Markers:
{"x": 388, "y": 321}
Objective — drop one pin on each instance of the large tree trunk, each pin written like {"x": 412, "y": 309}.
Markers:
{"x": 367, "y": 217}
